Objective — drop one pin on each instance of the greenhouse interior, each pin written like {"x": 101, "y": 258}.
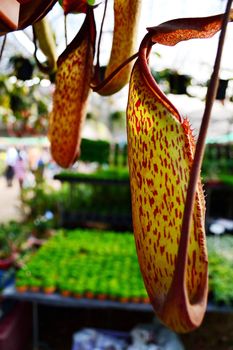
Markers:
{"x": 116, "y": 175}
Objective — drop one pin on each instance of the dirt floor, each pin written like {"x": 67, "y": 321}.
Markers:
{"x": 10, "y": 208}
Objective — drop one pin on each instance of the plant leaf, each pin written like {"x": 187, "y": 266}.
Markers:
{"x": 70, "y": 97}
{"x": 172, "y": 32}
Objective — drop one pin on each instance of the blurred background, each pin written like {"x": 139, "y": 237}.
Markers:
{"x": 69, "y": 275}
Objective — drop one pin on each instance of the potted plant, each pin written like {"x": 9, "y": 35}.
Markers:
{"x": 77, "y": 290}
{"x": 23, "y": 67}
{"x": 35, "y": 284}
{"x": 221, "y": 92}
{"x": 135, "y": 294}
{"x": 178, "y": 82}
{"x": 68, "y": 287}
{"x": 7, "y": 257}
{"x": 101, "y": 290}
{"x": 42, "y": 226}
{"x": 49, "y": 284}
{"x": 113, "y": 289}
{"x": 63, "y": 282}
{"x": 22, "y": 280}
{"x": 21, "y": 286}
{"x": 90, "y": 288}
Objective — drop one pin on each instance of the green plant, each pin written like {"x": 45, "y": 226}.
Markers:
{"x": 5, "y": 247}
{"x": 83, "y": 261}
{"x": 34, "y": 282}
{"x": 221, "y": 268}
{"x": 23, "y": 67}
{"x": 21, "y": 283}
{"x": 82, "y": 198}
{"x": 12, "y": 236}
{"x": 48, "y": 281}
{"x": 95, "y": 198}
{"x": 25, "y": 109}
{"x": 226, "y": 178}
{"x": 105, "y": 263}
{"x": 95, "y": 151}
{"x": 40, "y": 199}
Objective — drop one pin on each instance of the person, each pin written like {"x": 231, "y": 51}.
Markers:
{"x": 20, "y": 169}
{"x": 11, "y": 156}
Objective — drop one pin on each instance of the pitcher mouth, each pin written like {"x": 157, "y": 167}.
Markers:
{"x": 143, "y": 60}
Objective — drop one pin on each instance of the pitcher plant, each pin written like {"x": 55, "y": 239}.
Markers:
{"x": 168, "y": 205}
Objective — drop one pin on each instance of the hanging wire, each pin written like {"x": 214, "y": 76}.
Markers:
{"x": 3, "y": 46}
{"x": 101, "y": 32}
{"x": 65, "y": 30}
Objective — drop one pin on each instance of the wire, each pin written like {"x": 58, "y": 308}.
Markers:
{"x": 3, "y": 46}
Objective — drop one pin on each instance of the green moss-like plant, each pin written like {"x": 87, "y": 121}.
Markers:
{"x": 91, "y": 263}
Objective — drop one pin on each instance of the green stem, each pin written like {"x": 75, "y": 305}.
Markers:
{"x": 112, "y": 75}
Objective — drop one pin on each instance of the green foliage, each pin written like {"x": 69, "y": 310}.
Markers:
{"x": 20, "y": 99}
{"x": 218, "y": 161}
{"x": 226, "y": 179}
{"x": 221, "y": 268}
{"x": 95, "y": 151}
{"x": 12, "y": 236}
{"x": 87, "y": 261}
{"x": 82, "y": 261}
{"x": 23, "y": 67}
{"x": 96, "y": 199}
{"x": 41, "y": 198}
{"x": 25, "y": 109}
{"x": 5, "y": 248}
{"x": 81, "y": 197}
{"x": 110, "y": 173}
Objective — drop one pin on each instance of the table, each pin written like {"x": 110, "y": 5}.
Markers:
{"x": 113, "y": 218}
{"x": 56, "y": 299}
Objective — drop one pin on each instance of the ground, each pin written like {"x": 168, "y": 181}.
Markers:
{"x": 10, "y": 201}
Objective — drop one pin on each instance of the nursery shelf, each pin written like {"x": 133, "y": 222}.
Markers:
{"x": 58, "y": 300}
{"x": 91, "y": 180}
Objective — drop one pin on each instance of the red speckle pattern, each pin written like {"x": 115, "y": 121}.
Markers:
{"x": 69, "y": 104}
{"x": 160, "y": 151}
{"x": 126, "y": 17}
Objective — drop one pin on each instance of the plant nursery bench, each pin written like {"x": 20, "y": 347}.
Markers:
{"x": 113, "y": 216}
{"x": 57, "y": 300}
